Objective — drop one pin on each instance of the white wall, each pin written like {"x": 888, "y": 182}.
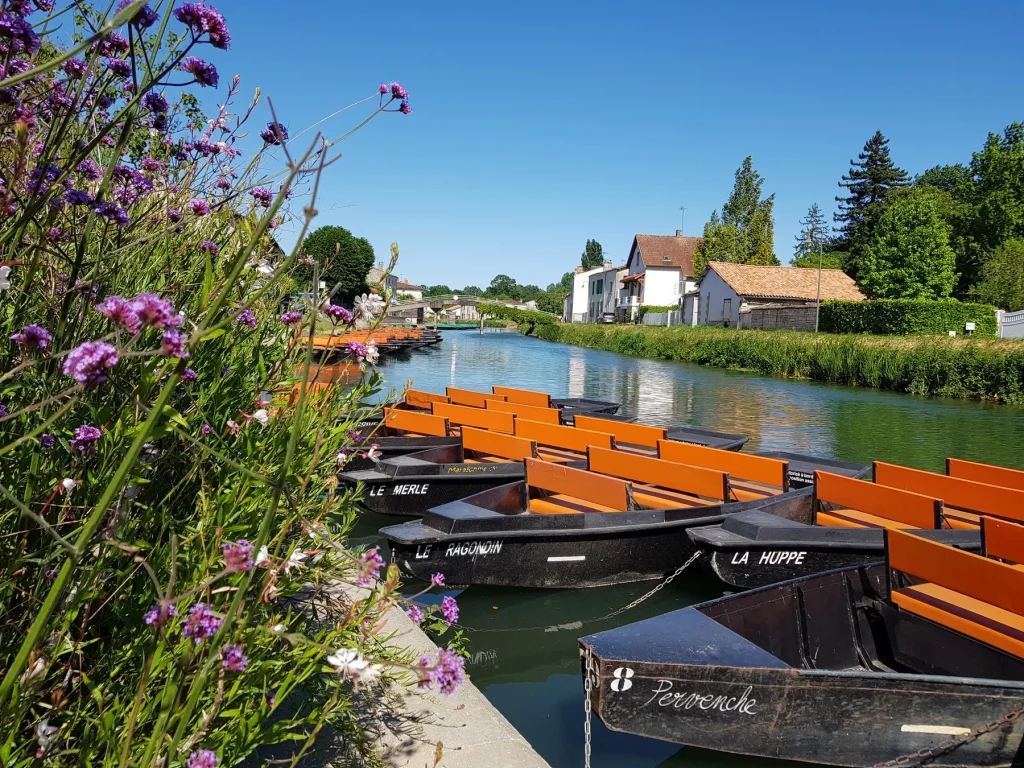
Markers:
{"x": 578, "y": 309}
{"x": 718, "y": 302}
{"x": 661, "y": 286}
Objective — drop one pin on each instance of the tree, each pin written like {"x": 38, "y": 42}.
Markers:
{"x": 437, "y": 290}
{"x": 551, "y": 301}
{"x": 344, "y": 260}
{"x": 872, "y": 176}
{"x": 955, "y": 179}
{"x": 746, "y": 230}
{"x": 813, "y": 237}
{"x": 593, "y": 255}
{"x": 1002, "y": 277}
{"x": 909, "y": 256}
{"x": 829, "y": 260}
{"x": 530, "y": 293}
{"x": 998, "y": 170}
{"x": 502, "y": 287}
{"x": 471, "y": 290}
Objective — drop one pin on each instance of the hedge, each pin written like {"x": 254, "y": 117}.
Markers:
{"x": 527, "y": 320}
{"x": 907, "y": 317}
{"x": 983, "y": 369}
{"x": 645, "y": 308}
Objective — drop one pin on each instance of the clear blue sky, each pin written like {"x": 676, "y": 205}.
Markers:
{"x": 540, "y": 125}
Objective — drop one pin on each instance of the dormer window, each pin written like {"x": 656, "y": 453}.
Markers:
{"x": 665, "y": 258}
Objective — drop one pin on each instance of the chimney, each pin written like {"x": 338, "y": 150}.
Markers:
{"x": 380, "y": 265}
{"x": 578, "y": 270}
{"x": 607, "y": 263}
{"x": 679, "y": 233}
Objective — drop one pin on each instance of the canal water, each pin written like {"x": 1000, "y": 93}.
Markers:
{"x": 532, "y": 675}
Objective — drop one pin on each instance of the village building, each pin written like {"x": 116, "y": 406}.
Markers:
{"x": 659, "y": 272}
{"x": 375, "y": 279}
{"x": 594, "y": 293}
{"x": 407, "y": 290}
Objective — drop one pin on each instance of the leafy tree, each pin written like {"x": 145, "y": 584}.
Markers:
{"x": 872, "y": 176}
{"x": 909, "y": 256}
{"x": 344, "y": 260}
{"x": 809, "y": 260}
{"x": 502, "y": 287}
{"x": 1002, "y": 277}
{"x": 998, "y": 170}
{"x": 813, "y": 237}
{"x": 530, "y": 292}
{"x": 551, "y": 301}
{"x": 437, "y": 290}
{"x": 471, "y": 290}
{"x": 746, "y": 230}
{"x": 593, "y": 255}
{"x": 955, "y": 179}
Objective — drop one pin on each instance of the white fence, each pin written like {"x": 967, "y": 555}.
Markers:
{"x": 674, "y": 317}
{"x": 1011, "y": 324}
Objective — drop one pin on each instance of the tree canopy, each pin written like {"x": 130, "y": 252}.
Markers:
{"x": 814, "y": 236}
{"x": 1002, "y": 277}
{"x": 344, "y": 260}
{"x": 593, "y": 255}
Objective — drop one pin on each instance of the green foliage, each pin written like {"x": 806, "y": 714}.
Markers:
{"x": 907, "y": 317}
{"x": 647, "y": 308}
{"x": 343, "y": 260}
{"x": 1002, "y": 277}
{"x": 437, "y": 290}
{"x": 525, "y": 319}
{"x": 593, "y": 255}
{"x": 503, "y": 287}
{"x": 909, "y": 255}
{"x": 965, "y": 368}
{"x": 471, "y": 290}
{"x": 551, "y": 301}
{"x": 829, "y": 260}
{"x": 814, "y": 237}
{"x": 745, "y": 232}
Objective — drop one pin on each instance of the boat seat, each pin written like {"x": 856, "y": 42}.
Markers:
{"x": 852, "y": 518}
{"x": 489, "y": 460}
{"x": 975, "y": 618}
{"x": 653, "y": 497}
{"x": 1003, "y": 539}
{"x": 960, "y": 518}
{"x": 567, "y": 489}
{"x": 563, "y": 504}
{"x": 639, "y": 450}
{"x": 559, "y": 457}
{"x": 745, "y": 490}
{"x": 985, "y": 473}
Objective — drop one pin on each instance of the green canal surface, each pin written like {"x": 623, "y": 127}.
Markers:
{"x": 524, "y": 651}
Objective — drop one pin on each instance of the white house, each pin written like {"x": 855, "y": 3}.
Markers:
{"x": 727, "y": 289}
{"x": 659, "y": 272}
{"x": 604, "y": 290}
{"x": 408, "y": 290}
{"x": 376, "y": 276}
{"x": 461, "y": 313}
{"x": 576, "y": 307}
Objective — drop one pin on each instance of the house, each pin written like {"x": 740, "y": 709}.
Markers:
{"x": 659, "y": 272}
{"x": 461, "y": 313}
{"x": 375, "y": 277}
{"x": 604, "y": 289}
{"x": 576, "y": 306}
{"x": 727, "y": 290}
{"x": 408, "y": 290}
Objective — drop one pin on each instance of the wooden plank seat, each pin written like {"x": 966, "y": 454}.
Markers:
{"x": 1003, "y": 539}
{"x": 468, "y": 397}
{"x": 964, "y": 501}
{"x": 639, "y": 435}
{"x": 464, "y": 416}
{"x": 566, "y": 441}
{"x": 660, "y": 484}
{"x": 971, "y": 594}
{"x": 523, "y": 396}
{"x": 416, "y": 399}
{"x": 846, "y": 502}
{"x": 414, "y": 423}
{"x": 497, "y": 447}
{"x": 750, "y": 477}
{"x": 985, "y": 473}
{"x": 556, "y": 489}
{"x": 531, "y": 412}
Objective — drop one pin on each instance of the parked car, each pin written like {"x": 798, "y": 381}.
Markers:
{"x": 607, "y": 317}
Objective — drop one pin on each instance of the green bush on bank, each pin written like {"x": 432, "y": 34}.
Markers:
{"x": 907, "y": 317}
{"x": 948, "y": 367}
{"x": 527, "y": 320}
{"x": 645, "y": 309}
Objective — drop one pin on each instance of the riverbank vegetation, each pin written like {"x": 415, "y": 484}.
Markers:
{"x": 909, "y": 317}
{"x": 950, "y": 367}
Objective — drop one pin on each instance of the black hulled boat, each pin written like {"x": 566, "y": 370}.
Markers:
{"x": 917, "y": 660}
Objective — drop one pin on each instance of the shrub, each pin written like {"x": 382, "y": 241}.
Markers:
{"x": 907, "y": 317}
{"x": 527, "y": 320}
{"x": 343, "y": 261}
{"x": 646, "y": 308}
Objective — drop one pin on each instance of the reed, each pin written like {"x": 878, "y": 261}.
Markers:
{"x": 982, "y": 369}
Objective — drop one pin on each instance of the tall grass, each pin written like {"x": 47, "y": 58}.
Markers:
{"x": 985, "y": 369}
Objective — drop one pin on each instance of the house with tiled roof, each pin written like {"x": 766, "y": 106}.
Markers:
{"x": 659, "y": 272}
{"x": 725, "y": 291}
{"x": 408, "y": 290}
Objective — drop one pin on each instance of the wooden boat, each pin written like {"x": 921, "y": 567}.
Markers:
{"x": 622, "y": 519}
{"x": 918, "y": 660}
{"x": 413, "y": 483}
{"x": 401, "y": 433}
{"x": 842, "y": 523}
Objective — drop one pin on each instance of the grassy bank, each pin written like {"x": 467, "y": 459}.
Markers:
{"x": 985, "y": 369}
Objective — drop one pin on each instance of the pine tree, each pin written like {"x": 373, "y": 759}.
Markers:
{"x": 739, "y": 209}
{"x": 745, "y": 232}
{"x": 759, "y": 235}
{"x": 593, "y": 255}
{"x": 872, "y": 175}
{"x": 814, "y": 235}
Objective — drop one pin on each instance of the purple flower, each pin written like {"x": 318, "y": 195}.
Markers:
{"x": 19, "y": 32}
{"x": 111, "y": 211}
{"x": 189, "y": 374}
{"x": 338, "y": 314}
{"x": 398, "y": 92}
{"x": 156, "y": 102}
{"x": 370, "y": 563}
{"x": 113, "y": 44}
{"x": 201, "y": 623}
{"x": 414, "y": 613}
{"x": 275, "y": 134}
{"x": 3, "y": 411}
{"x": 85, "y": 439}
{"x": 222, "y": 183}
{"x": 246, "y": 318}
{"x": 144, "y": 18}
{"x": 202, "y": 18}
{"x": 234, "y": 659}
{"x": 203, "y": 758}
{"x": 156, "y": 312}
{"x": 262, "y": 196}
{"x": 119, "y": 67}
{"x": 122, "y": 312}
{"x": 47, "y": 441}
{"x": 33, "y": 337}
{"x": 75, "y": 69}
{"x": 155, "y": 618}
{"x": 200, "y": 207}
{"x": 404, "y": 107}
{"x": 206, "y": 429}
{"x": 437, "y": 580}
{"x": 356, "y": 349}
{"x": 447, "y": 673}
{"x": 291, "y": 318}
{"x": 204, "y": 72}
{"x": 78, "y": 197}
{"x": 237, "y": 556}
{"x": 270, "y": 698}
{"x": 88, "y": 364}
{"x": 450, "y": 609}
{"x": 172, "y": 344}
{"x": 210, "y": 247}
{"x": 383, "y": 88}
{"x": 151, "y": 165}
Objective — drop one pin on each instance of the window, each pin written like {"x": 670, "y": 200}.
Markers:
{"x": 599, "y": 287}
{"x": 726, "y": 309}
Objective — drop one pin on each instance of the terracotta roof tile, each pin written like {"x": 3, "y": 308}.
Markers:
{"x": 762, "y": 282}
{"x": 668, "y": 251}
{"x": 404, "y": 286}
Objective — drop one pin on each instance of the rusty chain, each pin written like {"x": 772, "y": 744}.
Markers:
{"x": 588, "y": 686}
{"x": 931, "y": 752}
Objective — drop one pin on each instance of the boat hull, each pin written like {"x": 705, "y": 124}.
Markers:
{"x": 390, "y": 447}
{"x": 412, "y": 497}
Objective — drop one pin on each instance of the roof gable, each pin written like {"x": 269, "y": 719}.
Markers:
{"x": 666, "y": 251}
{"x": 766, "y": 282}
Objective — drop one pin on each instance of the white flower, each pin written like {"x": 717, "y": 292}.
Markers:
{"x": 5, "y": 273}
{"x": 341, "y": 457}
{"x": 349, "y": 662}
{"x": 46, "y": 734}
{"x": 261, "y": 416}
{"x": 263, "y": 558}
{"x": 372, "y": 353}
{"x": 295, "y": 559}
{"x": 68, "y": 484}
{"x": 373, "y": 454}
{"x": 233, "y": 426}
{"x": 368, "y": 306}
{"x": 279, "y": 628}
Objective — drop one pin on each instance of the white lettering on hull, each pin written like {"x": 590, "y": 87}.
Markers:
{"x": 745, "y": 704}
{"x": 464, "y": 548}
{"x": 778, "y": 557}
{"x": 411, "y": 489}
{"x": 567, "y": 558}
{"x": 941, "y": 730}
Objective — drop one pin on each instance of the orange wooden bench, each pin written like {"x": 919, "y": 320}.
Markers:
{"x": 416, "y": 399}
{"x": 660, "y": 484}
{"x": 963, "y": 501}
{"x": 524, "y": 396}
{"x": 572, "y": 490}
{"x": 971, "y": 594}
{"x": 557, "y": 443}
{"x": 414, "y": 423}
{"x": 531, "y": 412}
{"x": 496, "y": 447}
{"x": 464, "y": 416}
{"x": 860, "y": 504}
{"x": 750, "y": 477}
{"x": 985, "y": 473}
{"x": 1002, "y": 539}
{"x": 468, "y": 397}
{"x": 638, "y": 438}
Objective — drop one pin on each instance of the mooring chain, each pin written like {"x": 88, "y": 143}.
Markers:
{"x": 930, "y": 752}
{"x": 587, "y": 688}
{"x": 577, "y": 624}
